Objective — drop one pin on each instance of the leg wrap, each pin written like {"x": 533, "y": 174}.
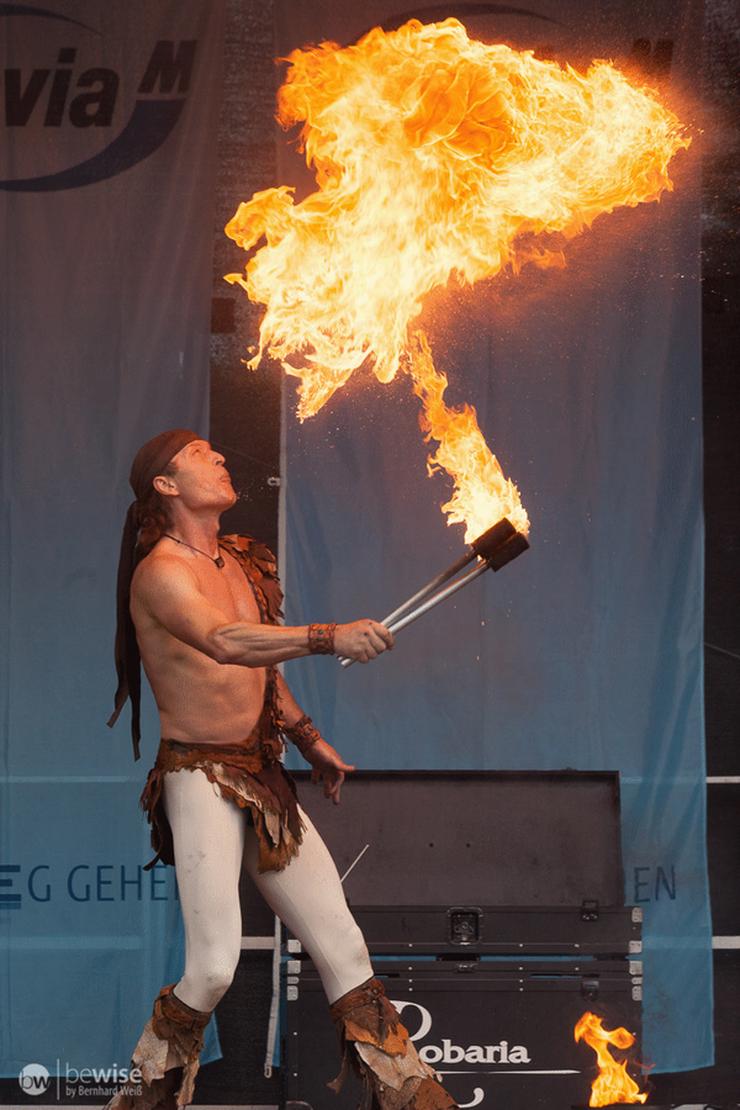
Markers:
{"x": 378, "y": 1046}
{"x": 174, "y": 1029}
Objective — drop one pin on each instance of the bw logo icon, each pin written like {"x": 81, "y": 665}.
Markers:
{"x": 33, "y": 1079}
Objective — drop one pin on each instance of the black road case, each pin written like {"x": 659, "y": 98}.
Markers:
{"x": 492, "y": 906}
{"x": 500, "y": 1033}
{"x": 503, "y": 930}
{"x": 496, "y": 838}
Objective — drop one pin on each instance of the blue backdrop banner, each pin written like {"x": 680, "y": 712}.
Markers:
{"x": 106, "y": 183}
{"x": 587, "y": 651}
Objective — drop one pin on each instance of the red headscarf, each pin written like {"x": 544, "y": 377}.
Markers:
{"x": 150, "y": 460}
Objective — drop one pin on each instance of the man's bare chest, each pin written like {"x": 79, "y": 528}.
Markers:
{"x": 230, "y": 590}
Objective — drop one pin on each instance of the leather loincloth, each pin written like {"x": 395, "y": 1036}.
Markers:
{"x": 244, "y": 777}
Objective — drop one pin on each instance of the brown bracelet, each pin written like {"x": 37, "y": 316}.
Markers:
{"x": 304, "y": 734}
{"x": 321, "y": 639}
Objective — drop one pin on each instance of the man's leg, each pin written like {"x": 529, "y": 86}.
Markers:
{"x": 309, "y": 898}
{"x": 208, "y": 838}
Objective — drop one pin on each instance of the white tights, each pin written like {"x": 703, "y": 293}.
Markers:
{"x": 211, "y": 839}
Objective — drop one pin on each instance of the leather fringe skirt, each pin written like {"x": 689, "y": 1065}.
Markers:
{"x": 251, "y": 778}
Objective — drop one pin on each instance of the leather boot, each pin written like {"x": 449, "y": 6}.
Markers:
{"x": 377, "y": 1045}
{"x": 174, "y": 1029}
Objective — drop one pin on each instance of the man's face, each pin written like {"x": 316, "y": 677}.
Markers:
{"x": 201, "y": 477}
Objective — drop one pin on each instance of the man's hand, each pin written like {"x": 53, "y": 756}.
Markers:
{"x": 328, "y": 767}
{"x": 362, "y": 640}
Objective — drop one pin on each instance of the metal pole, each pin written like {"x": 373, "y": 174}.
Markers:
{"x": 434, "y": 584}
{"x": 409, "y": 618}
{"x": 441, "y": 596}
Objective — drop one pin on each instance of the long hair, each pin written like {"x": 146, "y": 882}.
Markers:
{"x": 154, "y": 517}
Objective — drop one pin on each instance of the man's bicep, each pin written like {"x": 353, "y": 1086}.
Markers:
{"x": 173, "y": 598}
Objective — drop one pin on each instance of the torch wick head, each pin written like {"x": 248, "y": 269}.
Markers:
{"x": 493, "y": 538}
{"x": 514, "y": 546}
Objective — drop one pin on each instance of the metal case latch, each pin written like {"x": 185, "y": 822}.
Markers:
{"x": 590, "y": 909}
{"x": 464, "y": 924}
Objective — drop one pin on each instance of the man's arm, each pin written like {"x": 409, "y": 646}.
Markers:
{"x": 328, "y": 765}
{"x": 170, "y": 592}
{"x": 290, "y": 710}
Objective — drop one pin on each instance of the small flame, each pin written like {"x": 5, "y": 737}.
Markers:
{"x": 612, "y": 1084}
{"x": 438, "y": 158}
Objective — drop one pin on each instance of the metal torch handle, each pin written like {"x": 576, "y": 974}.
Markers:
{"x": 486, "y": 545}
{"x": 425, "y": 591}
{"x": 409, "y": 618}
{"x": 433, "y": 584}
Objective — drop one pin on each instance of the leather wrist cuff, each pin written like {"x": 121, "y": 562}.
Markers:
{"x": 303, "y": 734}
{"x": 321, "y": 638}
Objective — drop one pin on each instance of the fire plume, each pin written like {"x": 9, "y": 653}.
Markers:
{"x": 437, "y": 158}
{"x": 612, "y": 1084}
{"x": 482, "y": 493}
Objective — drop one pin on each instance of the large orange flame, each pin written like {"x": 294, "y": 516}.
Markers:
{"x": 612, "y": 1085}
{"x": 437, "y": 157}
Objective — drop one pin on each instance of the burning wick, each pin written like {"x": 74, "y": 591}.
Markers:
{"x": 494, "y": 549}
{"x": 612, "y": 1084}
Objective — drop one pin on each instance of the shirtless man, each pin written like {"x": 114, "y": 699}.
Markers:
{"x": 201, "y": 612}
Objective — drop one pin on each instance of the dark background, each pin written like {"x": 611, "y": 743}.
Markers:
{"x": 245, "y": 413}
